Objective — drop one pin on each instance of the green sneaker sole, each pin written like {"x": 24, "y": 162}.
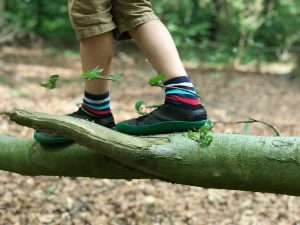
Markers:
{"x": 163, "y": 127}
{"x": 52, "y": 140}
{"x": 45, "y": 139}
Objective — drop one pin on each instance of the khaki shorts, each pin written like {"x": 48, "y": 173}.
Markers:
{"x": 93, "y": 17}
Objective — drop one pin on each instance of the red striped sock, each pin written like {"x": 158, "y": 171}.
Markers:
{"x": 97, "y": 105}
{"x": 180, "y": 92}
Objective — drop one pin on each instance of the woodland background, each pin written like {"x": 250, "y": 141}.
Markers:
{"x": 243, "y": 57}
{"x": 230, "y": 32}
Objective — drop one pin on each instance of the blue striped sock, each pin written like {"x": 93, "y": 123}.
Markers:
{"x": 97, "y": 105}
{"x": 185, "y": 96}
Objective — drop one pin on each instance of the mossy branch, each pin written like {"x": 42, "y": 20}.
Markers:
{"x": 237, "y": 162}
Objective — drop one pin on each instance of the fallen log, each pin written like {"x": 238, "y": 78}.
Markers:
{"x": 231, "y": 161}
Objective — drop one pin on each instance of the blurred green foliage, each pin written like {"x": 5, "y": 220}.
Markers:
{"x": 233, "y": 30}
{"x": 236, "y": 31}
{"x": 40, "y": 18}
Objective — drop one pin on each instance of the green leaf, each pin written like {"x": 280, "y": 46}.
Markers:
{"x": 157, "y": 80}
{"x": 113, "y": 77}
{"x": 92, "y": 74}
{"x": 95, "y": 74}
{"x": 191, "y": 135}
{"x": 52, "y": 82}
{"x": 153, "y": 106}
{"x": 204, "y": 130}
{"x": 205, "y": 142}
{"x": 139, "y": 104}
{"x": 138, "y": 107}
{"x": 203, "y": 139}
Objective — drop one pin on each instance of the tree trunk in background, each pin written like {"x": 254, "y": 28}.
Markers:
{"x": 39, "y": 16}
{"x": 2, "y": 7}
{"x": 238, "y": 162}
{"x": 296, "y": 71}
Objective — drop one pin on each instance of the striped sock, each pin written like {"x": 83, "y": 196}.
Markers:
{"x": 97, "y": 105}
{"x": 181, "y": 98}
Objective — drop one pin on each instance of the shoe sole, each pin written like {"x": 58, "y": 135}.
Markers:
{"x": 47, "y": 139}
{"x": 52, "y": 140}
{"x": 163, "y": 127}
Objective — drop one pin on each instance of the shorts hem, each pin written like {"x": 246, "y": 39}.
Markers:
{"x": 123, "y": 27}
{"x": 94, "y": 30}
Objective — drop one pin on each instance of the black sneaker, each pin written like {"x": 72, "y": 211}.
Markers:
{"x": 52, "y": 138}
{"x": 166, "y": 118}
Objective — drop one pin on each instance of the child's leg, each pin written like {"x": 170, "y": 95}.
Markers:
{"x": 93, "y": 24}
{"x": 155, "y": 41}
{"x": 97, "y": 51}
{"x": 182, "y": 110}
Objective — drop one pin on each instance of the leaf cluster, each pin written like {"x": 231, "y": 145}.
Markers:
{"x": 202, "y": 137}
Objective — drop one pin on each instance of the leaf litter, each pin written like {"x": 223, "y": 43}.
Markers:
{"x": 52, "y": 200}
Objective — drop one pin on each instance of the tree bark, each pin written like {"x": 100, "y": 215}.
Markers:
{"x": 237, "y": 162}
{"x": 25, "y": 156}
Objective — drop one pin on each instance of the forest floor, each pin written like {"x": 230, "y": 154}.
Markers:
{"x": 229, "y": 97}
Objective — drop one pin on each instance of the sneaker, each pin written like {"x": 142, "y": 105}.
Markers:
{"x": 52, "y": 138}
{"x": 166, "y": 118}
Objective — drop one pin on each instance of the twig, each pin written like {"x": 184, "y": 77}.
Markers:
{"x": 251, "y": 120}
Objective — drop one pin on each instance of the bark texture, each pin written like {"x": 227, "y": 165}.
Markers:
{"x": 237, "y": 162}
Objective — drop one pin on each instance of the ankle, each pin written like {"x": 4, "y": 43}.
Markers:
{"x": 96, "y": 105}
{"x": 180, "y": 92}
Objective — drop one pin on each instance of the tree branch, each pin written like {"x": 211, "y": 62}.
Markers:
{"x": 238, "y": 162}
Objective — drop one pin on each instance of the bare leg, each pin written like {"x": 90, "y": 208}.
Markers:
{"x": 155, "y": 41}
{"x": 182, "y": 110}
{"x": 97, "y": 51}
